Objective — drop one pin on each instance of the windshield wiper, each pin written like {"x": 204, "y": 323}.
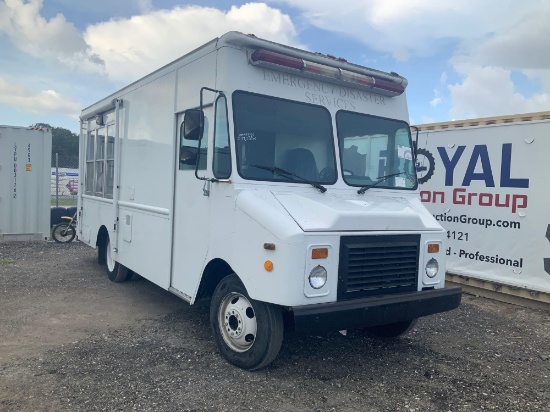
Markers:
{"x": 380, "y": 180}
{"x": 284, "y": 172}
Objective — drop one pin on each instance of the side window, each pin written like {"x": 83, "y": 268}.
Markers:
{"x": 99, "y": 162}
{"x": 189, "y": 150}
{"x": 110, "y": 162}
{"x": 222, "y": 153}
{"x": 89, "y": 184}
{"x": 403, "y": 160}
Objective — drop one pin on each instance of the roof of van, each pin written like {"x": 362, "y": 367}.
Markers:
{"x": 237, "y": 39}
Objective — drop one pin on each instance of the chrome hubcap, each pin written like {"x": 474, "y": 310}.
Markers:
{"x": 237, "y": 321}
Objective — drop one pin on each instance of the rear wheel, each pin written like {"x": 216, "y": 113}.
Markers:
{"x": 392, "y": 330}
{"x": 248, "y": 333}
{"x": 115, "y": 271}
{"x": 63, "y": 233}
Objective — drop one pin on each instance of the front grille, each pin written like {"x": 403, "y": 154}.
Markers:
{"x": 377, "y": 265}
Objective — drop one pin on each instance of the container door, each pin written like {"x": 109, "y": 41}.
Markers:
{"x": 191, "y": 209}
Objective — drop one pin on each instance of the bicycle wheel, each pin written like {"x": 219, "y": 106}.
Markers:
{"x": 63, "y": 233}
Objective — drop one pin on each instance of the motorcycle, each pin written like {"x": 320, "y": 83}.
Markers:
{"x": 65, "y": 232}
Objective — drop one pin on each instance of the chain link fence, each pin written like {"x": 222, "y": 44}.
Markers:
{"x": 64, "y": 180}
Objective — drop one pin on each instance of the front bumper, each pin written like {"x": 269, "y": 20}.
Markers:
{"x": 372, "y": 311}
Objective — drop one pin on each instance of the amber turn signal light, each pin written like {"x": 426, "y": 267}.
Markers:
{"x": 321, "y": 253}
{"x": 433, "y": 247}
{"x": 268, "y": 265}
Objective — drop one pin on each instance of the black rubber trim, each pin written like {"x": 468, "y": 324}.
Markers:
{"x": 372, "y": 311}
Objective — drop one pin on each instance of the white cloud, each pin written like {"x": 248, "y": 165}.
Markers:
{"x": 401, "y": 55}
{"x": 421, "y": 27}
{"x": 487, "y": 68}
{"x": 55, "y": 40}
{"x": 489, "y": 91}
{"x": 123, "y": 49}
{"x": 145, "y": 5}
{"x": 138, "y": 45}
{"x": 43, "y": 102}
{"x": 521, "y": 45}
{"x": 436, "y": 101}
{"x": 490, "y": 36}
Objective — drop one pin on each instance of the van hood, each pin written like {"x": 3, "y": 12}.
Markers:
{"x": 315, "y": 212}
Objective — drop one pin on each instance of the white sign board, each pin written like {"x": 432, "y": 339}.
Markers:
{"x": 488, "y": 186}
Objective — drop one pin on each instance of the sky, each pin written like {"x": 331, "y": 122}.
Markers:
{"x": 463, "y": 58}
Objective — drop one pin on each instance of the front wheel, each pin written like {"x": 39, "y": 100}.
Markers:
{"x": 63, "y": 233}
{"x": 115, "y": 271}
{"x": 248, "y": 333}
{"x": 392, "y": 330}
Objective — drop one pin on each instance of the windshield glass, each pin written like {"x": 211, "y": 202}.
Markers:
{"x": 372, "y": 148}
{"x": 274, "y": 134}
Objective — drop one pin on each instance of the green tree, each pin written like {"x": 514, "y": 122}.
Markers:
{"x": 64, "y": 143}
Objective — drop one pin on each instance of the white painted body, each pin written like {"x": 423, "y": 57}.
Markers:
{"x": 168, "y": 231}
{"x": 25, "y": 176}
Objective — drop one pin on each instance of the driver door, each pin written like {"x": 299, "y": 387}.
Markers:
{"x": 191, "y": 209}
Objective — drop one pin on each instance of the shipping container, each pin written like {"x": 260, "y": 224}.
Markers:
{"x": 25, "y": 156}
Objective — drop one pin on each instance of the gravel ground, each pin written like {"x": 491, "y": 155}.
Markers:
{"x": 71, "y": 340}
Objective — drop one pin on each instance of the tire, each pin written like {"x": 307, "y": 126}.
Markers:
{"x": 115, "y": 271}
{"x": 392, "y": 330}
{"x": 63, "y": 233}
{"x": 248, "y": 333}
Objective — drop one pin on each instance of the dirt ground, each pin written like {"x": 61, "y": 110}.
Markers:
{"x": 73, "y": 341}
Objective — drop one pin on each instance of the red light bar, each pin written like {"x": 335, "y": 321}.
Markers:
{"x": 277, "y": 58}
{"x": 321, "y": 70}
{"x": 389, "y": 86}
{"x": 361, "y": 79}
{"x": 262, "y": 57}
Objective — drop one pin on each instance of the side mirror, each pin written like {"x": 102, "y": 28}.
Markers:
{"x": 192, "y": 121}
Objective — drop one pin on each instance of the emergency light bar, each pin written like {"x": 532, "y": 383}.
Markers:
{"x": 278, "y": 61}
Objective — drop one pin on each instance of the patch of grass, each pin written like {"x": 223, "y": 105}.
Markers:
{"x": 65, "y": 201}
{"x": 6, "y": 261}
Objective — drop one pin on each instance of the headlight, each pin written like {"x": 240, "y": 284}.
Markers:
{"x": 318, "y": 277}
{"x": 432, "y": 267}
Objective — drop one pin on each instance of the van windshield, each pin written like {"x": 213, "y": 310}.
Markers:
{"x": 375, "y": 151}
{"x": 273, "y": 134}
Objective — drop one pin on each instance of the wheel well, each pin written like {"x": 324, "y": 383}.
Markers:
{"x": 214, "y": 272}
{"x": 102, "y": 237}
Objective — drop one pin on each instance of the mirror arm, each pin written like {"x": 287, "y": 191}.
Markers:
{"x": 201, "y": 128}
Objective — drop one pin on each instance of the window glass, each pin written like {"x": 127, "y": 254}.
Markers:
{"x": 110, "y": 143}
{"x": 188, "y": 150}
{"x": 99, "y": 162}
{"x": 110, "y": 162}
{"x": 89, "y": 178}
{"x": 275, "y": 133}
{"x": 110, "y": 178}
{"x": 100, "y": 147}
{"x": 222, "y": 152}
{"x": 90, "y": 146}
{"x": 372, "y": 148}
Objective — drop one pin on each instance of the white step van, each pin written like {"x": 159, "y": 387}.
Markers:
{"x": 277, "y": 183}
